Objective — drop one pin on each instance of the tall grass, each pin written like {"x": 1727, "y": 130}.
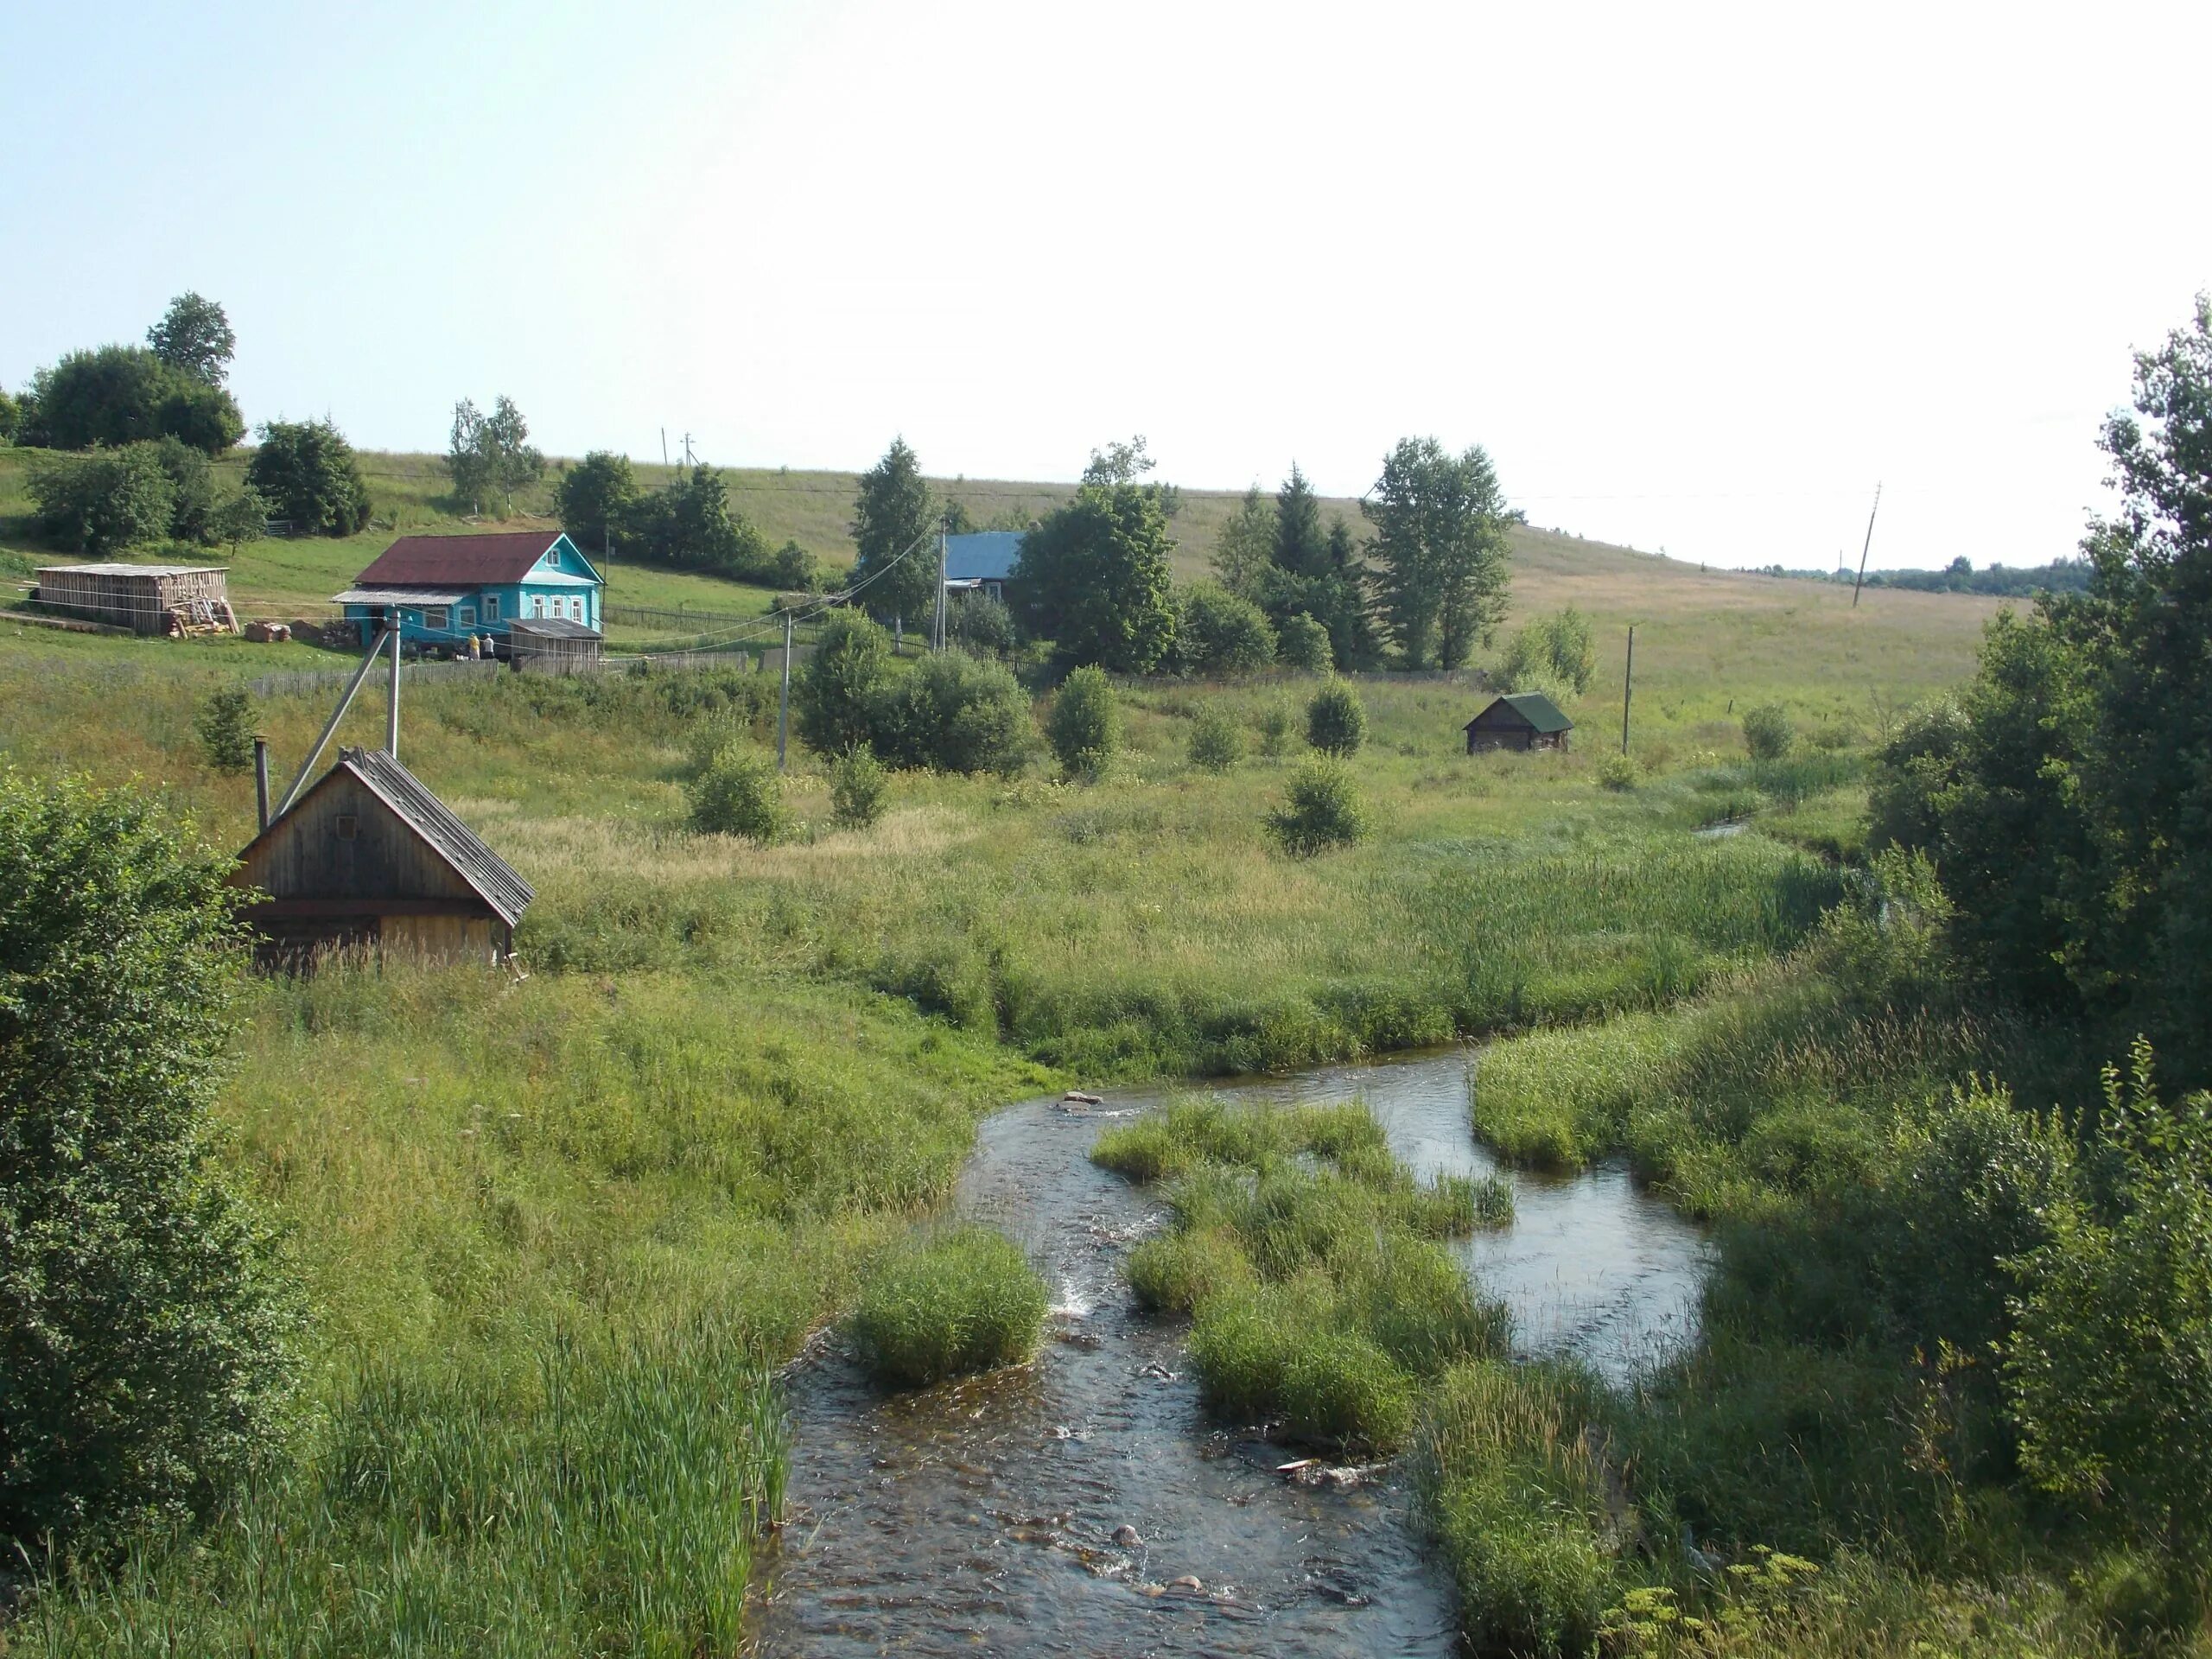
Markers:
{"x": 601, "y": 1499}
{"x": 965, "y": 1301}
{"x": 1306, "y": 1257}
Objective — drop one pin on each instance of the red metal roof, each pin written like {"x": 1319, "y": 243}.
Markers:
{"x": 466, "y": 559}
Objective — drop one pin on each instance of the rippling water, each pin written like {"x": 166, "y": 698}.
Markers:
{"x": 982, "y": 1516}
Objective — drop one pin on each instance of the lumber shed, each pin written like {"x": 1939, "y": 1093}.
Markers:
{"x": 1520, "y": 720}
{"x": 171, "y": 599}
{"x": 369, "y": 858}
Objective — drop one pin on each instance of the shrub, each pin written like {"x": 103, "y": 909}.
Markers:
{"x": 225, "y": 727}
{"x": 308, "y": 472}
{"x": 148, "y": 1348}
{"x": 834, "y": 691}
{"x": 1219, "y": 634}
{"x": 794, "y": 569}
{"x": 1553, "y": 651}
{"x": 104, "y": 502}
{"x": 857, "y": 786}
{"x": 1216, "y": 744}
{"x": 1769, "y": 732}
{"x": 739, "y": 793}
{"x": 1085, "y": 725}
{"x": 1302, "y": 643}
{"x": 1618, "y": 771}
{"x": 954, "y": 713}
{"x": 965, "y": 1301}
{"x": 1277, "y": 727}
{"x": 981, "y": 625}
{"x": 1321, "y": 810}
{"x": 1335, "y": 721}
{"x": 117, "y": 395}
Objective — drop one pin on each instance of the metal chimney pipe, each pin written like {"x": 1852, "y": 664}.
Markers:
{"x": 261, "y": 778}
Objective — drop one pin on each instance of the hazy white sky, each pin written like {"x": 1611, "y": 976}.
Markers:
{"x": 1697, "y": 276}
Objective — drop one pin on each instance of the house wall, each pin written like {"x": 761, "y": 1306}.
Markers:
{"x": 309, "y": 858}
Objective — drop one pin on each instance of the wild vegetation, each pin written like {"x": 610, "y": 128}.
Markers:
{"x": 548, "y": 1234}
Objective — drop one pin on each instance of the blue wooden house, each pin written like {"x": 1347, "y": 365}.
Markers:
{"x": 448, "y": 589}
{"x": 981, "y": 560}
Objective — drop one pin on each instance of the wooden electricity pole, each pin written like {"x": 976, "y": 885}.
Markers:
{"x": 1861, "y": 582}
{"x": 1627, "y": 686}
{"x": 784, "y": 703}
{"x": 391, "y": 723}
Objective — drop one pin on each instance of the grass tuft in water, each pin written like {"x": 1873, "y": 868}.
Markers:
{"x": 964, "y": 1301}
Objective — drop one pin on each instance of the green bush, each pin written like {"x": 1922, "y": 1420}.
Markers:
{"x": 225, "y": 725}
{"x": 1277, "y": 727}
{"x": 739, "y": 793}
{"x": 116, "y": 395}
{"x": 148, "y": 1348}
{"x": 1335, "y": 722}
{"x": 1216, "y": 745}
{"x": 835, "y": 690}
{"x": 1769, "y": 733}
{"x": 858, "y": 783}
{"x": 104, "y": 502}
{"x": 1553, "y": 651}
{"x": 954, "y": 714}
{"x": 1219, "y": 635}
{"x": 967, "y": 1301}
{"x": 1321, "y": 811}
{"x": 1616, "y": 771}
{"x": 1085, "y": 725}
{"x": 308, "y": 474}
{"x": 1302, "y": 643}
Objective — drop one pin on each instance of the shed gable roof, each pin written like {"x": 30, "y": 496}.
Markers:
{"x": 981, "y": 555}
{"x": 458, "y": 846}
{"x": 467, "y": 561}
{"x": 1539, "y": 710}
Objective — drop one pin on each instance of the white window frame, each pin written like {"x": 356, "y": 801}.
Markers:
{"x": 468, "y": 616}
{"x": 537, "y": 607}
{"x": 491, "y": 608}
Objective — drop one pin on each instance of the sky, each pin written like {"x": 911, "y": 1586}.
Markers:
{"x": 1697, "y": 278}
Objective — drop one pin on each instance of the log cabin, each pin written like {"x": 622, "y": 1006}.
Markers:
{"x": 1522, "y": 720}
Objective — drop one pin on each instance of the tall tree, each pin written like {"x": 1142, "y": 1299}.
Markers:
{"x": 892, "y": 512}
{"x": 194, "y": 336}
{"x": 1439, "y": 543}
{"x": 467, "y": 461}
{"x": 1093, "y": 578}
{"x": 1302, "y": 547}
{"x": 508, "y": 453}
{"x": 1246, "y": 546}
{"x": 308, "y": 474}
{"x": 120, "y": 394}
{"x": 593, "y": 496}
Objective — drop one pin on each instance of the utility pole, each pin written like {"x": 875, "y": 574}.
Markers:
{"x": 941, "y": 617}
{"x": 1627, "y": 686}
{"x": 784, "y": 703}
{"x": 392, "y": 721}
{"x": 664, "y": 446}
{"x": 1861, "y": 582}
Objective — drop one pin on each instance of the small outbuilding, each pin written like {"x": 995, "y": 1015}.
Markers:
{"x": 553, "y": 646}
{"x": 174, "y": 599}
{"x": 368, "y": 857}
{"x": 982, "y": 561}
{"x": 1522, "y": 720}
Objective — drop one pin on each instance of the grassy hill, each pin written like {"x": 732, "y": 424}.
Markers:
{"x": 1707, "y": 641}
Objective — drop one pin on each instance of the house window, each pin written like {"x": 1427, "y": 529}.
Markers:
{"x": 491, "y": 608}
{"x": 435, "y": 617}
{"x": 575, "y": 610}
{"x": 348, "y": 826}
{"x": 468, "y": 616}
{"x": 538, "y": 605}
{"x": 554, "y": 558}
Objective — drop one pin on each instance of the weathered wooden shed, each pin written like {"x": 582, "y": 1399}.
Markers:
{"x": 547, "y": 646}
{"x": 369, "y": 857}
{"x": 144, "y": 598}
{"x": 1522, "y": 720}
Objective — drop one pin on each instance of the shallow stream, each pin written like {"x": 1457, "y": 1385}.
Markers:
{"x": 982, "y": 1516}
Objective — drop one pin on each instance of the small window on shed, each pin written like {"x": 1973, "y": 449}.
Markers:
{"x": 348, "y": 826}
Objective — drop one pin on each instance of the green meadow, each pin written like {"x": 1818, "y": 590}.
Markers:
{"x": 591, "y": 1208}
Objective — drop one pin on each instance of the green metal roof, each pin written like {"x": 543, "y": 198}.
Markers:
{"x": 1539, "y": 710}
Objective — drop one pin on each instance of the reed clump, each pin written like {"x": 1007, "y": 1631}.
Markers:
{"x": 962, "y": 1301}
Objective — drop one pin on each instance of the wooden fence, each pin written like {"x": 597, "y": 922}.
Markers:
{"x": 309, "y": 680}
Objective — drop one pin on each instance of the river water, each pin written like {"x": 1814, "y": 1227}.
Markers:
{"x": 980, "y": 1517}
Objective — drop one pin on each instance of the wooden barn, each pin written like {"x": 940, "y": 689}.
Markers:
{"x": 1523, "y": 720}
{"x": 144, "y": 598}
{"x": 552, "y": 645}
{"x": 369, "y": 857}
